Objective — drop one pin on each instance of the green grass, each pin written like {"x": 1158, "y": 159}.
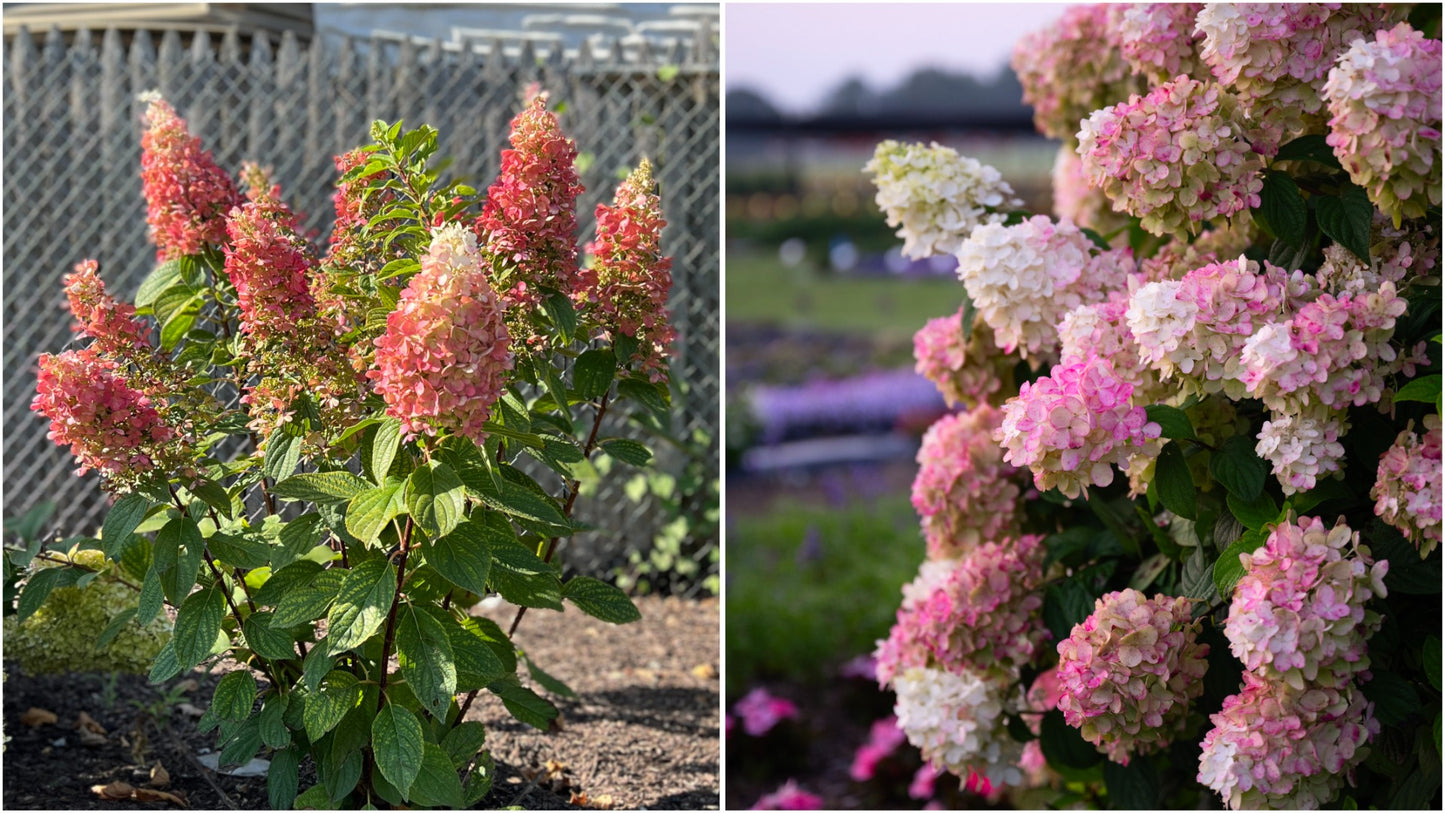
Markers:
{"x": 800, "y": 621}
{"x": 761, "y": 290}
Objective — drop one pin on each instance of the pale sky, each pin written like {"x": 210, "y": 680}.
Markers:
{"x": 795, "y": 53}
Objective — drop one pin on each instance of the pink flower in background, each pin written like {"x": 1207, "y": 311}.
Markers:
{"x": 445, "y": 357}
{"x": 884, "y": 737}
{"x": 187, "y": 195}
{"x": 864, "y": 667}
{"x": 1174, "y": 158}
{"x": 965, "y": 494}
{"x": 1158, "y": 40}
{"x": 629, "y": 281}
{"x": 1384, "y": 100}
{"x": 1273, "y": 747}
{"x": 1407, "y": 486}
{"x": 790, "y": 797}
{"x": 921, "y": 787}
{"x": 271, "y": 267}
{"x": 1128, "y": 673}
{"x": 1070, "y": 69}
{"x": 760, "y": 711}
{"x": 112, "y": 324}
{"x": 1298, "y": 614}
{"x": 529, "y": 221}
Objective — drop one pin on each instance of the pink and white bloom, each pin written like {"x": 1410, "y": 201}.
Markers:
{"x": 1302, "y": 447}
{"x": 935, "y": 197}
{"x": 965, "y": 493}
{"x": 187, "y": 195}
{"x": 790, "y": 797}
{"x": 1407, "y": 486}
{"x": 967, "y": 370}
{"x": 957, "y": 720}
{"x": 1070, "y": 69}
{"x": 1158, "y": 40}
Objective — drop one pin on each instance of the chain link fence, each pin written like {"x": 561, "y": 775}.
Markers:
{"x": 72, "y": 191}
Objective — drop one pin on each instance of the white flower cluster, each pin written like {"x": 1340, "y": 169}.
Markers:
{"x": 936, "y": 197}
{"x": 957, "y": 721}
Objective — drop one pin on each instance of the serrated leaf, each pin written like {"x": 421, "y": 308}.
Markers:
{"x": 1174, "y": 424}
{"x": 437, "y": 784}
{"x": 1228, "y": 569}
{"x": 1066, "y": 604}
{"x": 562, "y": 315}
{"x": 547, "y": 681}
{"x": 645, "y": 393}
{"x": 1132, "y": 787}
{"x": 283, "y": 454}
{"x": 628, "y": 451}
{"x": 197, "y": 622}
{"x": 1283, "y": 207}
{"x": 525, "y": 704}
{"x": 284, "y": 580}
{"x": 397, "y": 742}
{"x": 1174, "y": 483}
{"x": 464, "y": 741}
{"x": 297, "y": 538}
{"x": 338, "y": 694}
{"x": 384, "y": 445}
{"x": 1425, "y": 390}
{"x": 307, "y": 602}
{"x": 601, "y": 600}
{"x": 369, "y": 512}
{"x": 158, "y": 280}
{"x": 121, "y": 521}
{"x": 477, "y": 661}
{"x": 1236, "y": 466}
{"x": 322, "y": 488}
{"x": 1062, "y": 744}
{"x": 361, "y": 605}
{"x": 1253, "y": 514}
{"x": 435, "y": 498}
{"x": 523, "y": 579}
{"x": 1346, "y": 219}
{"x": 593, "y": 373}
{"x": 38, "y": 587}
{"x": 1196, "y": 580}
{"x": 1394, "y": 697}
{"x": 1308, "y": 148}
{"x": 165, "y": 666}
{"x": 235, "y": 695}
{"x": 283, "y": 779}
{"x": 270, "y": 642}
{"x": 243, "y": 550}
{"x": 152, "y": 598}
{"x": 464, "y": 556}
{"x": 427, "y": 661}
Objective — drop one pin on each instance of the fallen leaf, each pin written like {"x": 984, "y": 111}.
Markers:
{"x": 115, "y": 790}
{"x": 148, "y": 795}
{"x": 190, "y": 710}
{"x": 88, "y": 723}
{"x": 188, "y": 685}
{"x": 160, "y": 777}
{"x": 705, "y": 671}
{"x": 600, "y": 802}
{"x": 37, "y": 717}
{"x": 555, "y": 768}
{"x": 90, "y": 738}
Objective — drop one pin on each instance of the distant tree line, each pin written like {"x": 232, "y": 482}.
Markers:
{"x": 927, "y": 92}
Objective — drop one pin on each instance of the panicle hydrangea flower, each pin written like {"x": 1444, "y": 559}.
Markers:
{"x": 444, "y": 358}
{"x": 1070, "y": 69}
{"x": 1024, "y": 278}
{"x": 790, "y": 797}
{"x": 964, "y": 493}
{"x": 270, "y": 266}
{"x": 1302, "y": 447}
{"x": 1298, "y": 613}
{"x": 187, "y": 195}
{"x": 1102, "y": 329}
{"x": 969, "y": 371}
{"x": 983, "y": 616}
{"x": 1276, "y": 748}
{"x": 1173, "y": 158}
{"x": 1128, "y": 673}
{"x": 884, "y": 737}
{"x": 110, "y": 427}
{"x": 898, "y": 652}
{"x": 1275, "y": 57}
{"x": 1157, "y": 39}
{"x": 1075, "y": 200}
{"x": 1384, "y": 100}
{"x": 529, "y": 220}
{"x": 1407, "y": 486}
{"x": 112, "y": 325}
{"x": 630, "y": 279}
{"x": 760, "y": 711}
{"x": 957, "y": 720}
{"x": 934, "y": 196}
{"x": 1226, "y": 241}
{"x": 1072, "y": 426}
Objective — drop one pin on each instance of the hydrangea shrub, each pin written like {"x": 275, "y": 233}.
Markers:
{"x": 1237, "y": 307}
{"x": 322, "y": 458}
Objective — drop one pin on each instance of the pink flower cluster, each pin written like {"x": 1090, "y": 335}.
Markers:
{"x": 444, "y": 358}
{"x": 1102, "y": 329}
{"x": 1024, "y": 278}
{"x": 964, "y": 493}
{"x": 630, "y": 279}
{"x": 1302, "y": 447}
{"x": 1071, "y": 426}
{"x": 529, "y": 220}
{"x": 1275, "y": 56}
{"x": 1384, "y": 100}
{"x": 1174, "y": 158}
{"x": 884, "y": 738}
{"x": 110, "y": 427}
{"x": 111, "y": 324}
{"x": 1128, "y": 673}
{"x": 1407, "y": 486}
{"x": 967, "y": 370}
{"x": 1298, "y": 614}
{"x": 1157, "y": 39}
{"x": 1279, "y": 749}
{"x": 1075, "y": 200}
{"x": 187, "y": 195}
{"x": 790, "y": 797}
{"x": 760, "y": 711}
{"x": 1070, "y": 69}
{"x": 270, "y": 266}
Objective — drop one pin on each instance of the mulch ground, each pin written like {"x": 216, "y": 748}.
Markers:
{"x": 642, "y": 731}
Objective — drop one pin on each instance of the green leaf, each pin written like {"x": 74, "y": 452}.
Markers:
{"x": 464, "y": 556}
{"x": 1346, "y": 219}
{"x": 166, "y": 666}
{"x": 270, "y": 642}
{"x": 297, "y": 538}
{"x": 283, "y": 454}
{"x": 524, "y": 579}
{"x": 437, "y": 784}
{"x": 592, "y": 376}
{"x": 323, "y": 488}
{"x": 1309, "y": 148}
{"x": 562, "y": 315}
{"x": 1282, "y": 207}
{"x": 1431, "y": 656}
{"x": 39, "y": 586}
{"x": 667, "y": 73}
{"x": 198, "y": 621}
{"x": 384, "y": 446}
{"x": 647, "y": 394}
{"x": 427, "y": 661}
{"x": 464, "y": 741}
{"x": 1197, "y": 578}
{"x": 1229, "y": 569}
{"x": 338, "y": 694}
{"x": 600, "y": 600}
{"x": 307, "y": 602}
{"x": 435, "y": 498}
{"x": 315, "y": 798}
{"x": 1062, "y": 744}
{"x": 284, "y": 580}
{"x": 524, "y": 704}
{"x": 122, "y": 520}
{"x": 361, "y": 605}
{"x": 1174, "y": 482}
{"x": 152, "y": 598}
{"x": 1253, "y": 514}
{"x": 628, "y": 451}
{"x": 546, "y": 681}
{"x": 114, "y": 627}
{"x": 180, "y": 320}
{"x": 396, "y": 740}
{"x": 1394, "y": 697}
{"x": 283, "y": 779}
{"x": 559, "y": 395}
{"x": 1066, "y": 604}
{"x": 235, "y": 695}
{"x": 1238, "y": 468}
{"x": 243, "y": 550}
{"x": 1173, "y": 423}
{"x": 370, "y": 511}
{"x": 1132, "y": 787}
{"x": 159, "y": 279}
{"x": 1425, "y": 390}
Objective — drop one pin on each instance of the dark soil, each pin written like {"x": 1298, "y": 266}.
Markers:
{"x": 641, "y": 733}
